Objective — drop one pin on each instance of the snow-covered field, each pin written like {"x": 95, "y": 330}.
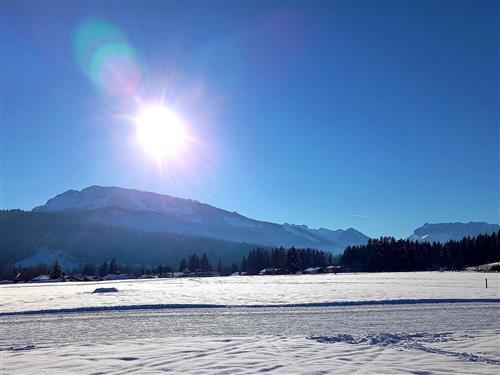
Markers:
{"x": 416, "y": 323}
{"x": 253, "y": 290}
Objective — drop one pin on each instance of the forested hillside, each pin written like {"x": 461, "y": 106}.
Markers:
{"x": 389, "y": 254}
{"x": 22, "y": 233}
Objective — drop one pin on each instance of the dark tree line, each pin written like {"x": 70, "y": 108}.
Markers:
{"x": 193, "y": 264}
{"x": 114, "y": 267}
{"x": 289, "y": 260}
{"x": 196, "y": 263}
{"x": 55, "y": 270}
{"x": 23, "y": 273}
{"x": 389, "y": 254}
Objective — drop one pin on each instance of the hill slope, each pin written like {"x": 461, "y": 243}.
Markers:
{"x": 443, "y": 232}
{"x": 77, "y": 236}
{"x": 153, "y": 212}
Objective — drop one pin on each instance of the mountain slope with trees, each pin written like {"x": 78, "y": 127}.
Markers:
{"x": 387, "y": 254}
{"x": 76, "y": 234}
{"x": 154, "y": 212}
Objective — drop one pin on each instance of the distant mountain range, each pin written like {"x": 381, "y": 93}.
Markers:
{"x": 137, "y": 227}
{"x": 153, "y": 212}
{"x": 444, "y": 232}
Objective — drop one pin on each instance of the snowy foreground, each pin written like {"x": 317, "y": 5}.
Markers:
{"x": 418, "y": 323}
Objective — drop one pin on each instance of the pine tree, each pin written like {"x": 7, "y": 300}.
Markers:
{"x": 220, "y": 267}
{"x": 183, "y": 265}
{"x": 113, "y": 267}
{"x": 204, "y": 263}
{"x": 244, "y": 265}
{"x": 293, "y": 262}
{"x": 194, "y": 263}
{"x": 103, "y": 269}
{"x": 88, "y": 269}
{"x": 158, "y": 270}
{"x": 56, "y": 271}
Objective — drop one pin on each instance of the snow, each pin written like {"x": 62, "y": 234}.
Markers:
{"x": 483, "y": 267}
{"x": 94, "y": 197}
{"x": 443, "y": 232}
{"x": 43, "y": 279}
{"x": 157, "y": 212}
{"x": 290, "y": 229}
{"x": 241, "y": 222}
{"x": 419, "y": 323}
{"x": 256, "y": 354}
{"x": 105, "y": 290}
{"x": 346, "y": 237}
{"x": 48, "y": 256}
{"x": 255, "y": 290}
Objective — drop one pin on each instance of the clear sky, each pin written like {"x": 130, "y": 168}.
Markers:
{"x": 377, "y": 115}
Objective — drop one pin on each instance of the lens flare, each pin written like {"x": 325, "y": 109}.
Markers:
{"x": 106, "y": 57}
{"x": 160, "y": 132}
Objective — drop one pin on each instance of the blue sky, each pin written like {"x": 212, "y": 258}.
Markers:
{"x": 377, "y": 115}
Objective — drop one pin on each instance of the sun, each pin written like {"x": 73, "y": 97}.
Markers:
{"x": 160, "y": 132}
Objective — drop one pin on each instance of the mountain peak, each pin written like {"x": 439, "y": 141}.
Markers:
{"x": 96, "y": 197}
{"x": 148, "y": 211}
{"x": 442, "y": 232}
{"x": 351, "y": 230}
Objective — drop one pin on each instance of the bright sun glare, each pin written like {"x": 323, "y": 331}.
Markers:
{"x": 160, "y": 132}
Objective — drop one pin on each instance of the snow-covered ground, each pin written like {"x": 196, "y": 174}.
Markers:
{"x": 418, "y": 323}
{"x": 426, "y": 354}
{"x": 256, "y": 290}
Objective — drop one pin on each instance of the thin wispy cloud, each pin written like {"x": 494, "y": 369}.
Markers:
{"x": 362, "y": 216}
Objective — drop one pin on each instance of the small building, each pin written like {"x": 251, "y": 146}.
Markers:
{"x": 313, "y": 270}
{"x": 72, "y": 278}
{"x": 148, "y": 276}
{"x": 268, "y": 271}
{"x": 43, "y": 279}
{"x": 90, "y": 278}
{"x": 118, "y": 276}
{"x": 334, "y": 269}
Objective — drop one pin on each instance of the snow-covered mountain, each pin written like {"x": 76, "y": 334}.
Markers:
{"x": 48, "y": 256}
{"x": 162, "y": 213}
{"x": 95, "y": 197}
{"x": 342, "y": 237}
{"x": 443, "y": 232}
